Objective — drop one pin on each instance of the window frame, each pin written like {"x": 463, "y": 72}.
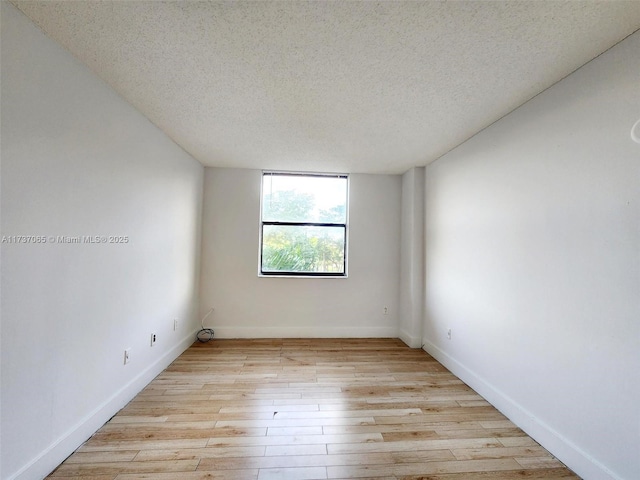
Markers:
{"x": 263, "y": 223}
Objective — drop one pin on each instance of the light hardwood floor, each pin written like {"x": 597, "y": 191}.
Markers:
{"x": 309, "y": 409}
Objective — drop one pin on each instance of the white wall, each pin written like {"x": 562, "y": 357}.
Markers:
{"x": 250, "y": 306}
{"x": 412, "y": 258}
{"x": 79, "y": 160}
{"x": 533, "y": 260}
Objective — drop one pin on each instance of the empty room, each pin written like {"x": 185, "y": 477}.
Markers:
{"x": 320, "y": 240}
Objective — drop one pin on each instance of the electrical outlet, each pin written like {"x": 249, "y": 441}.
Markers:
{"x": 127, "y": 356}
{"x": 449, "y": 334}
{"x": 153, "y": 339}
{"x": 386, "y": 310}
{"x": 175, "y": 324}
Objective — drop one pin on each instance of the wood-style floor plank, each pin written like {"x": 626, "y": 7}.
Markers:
{"x": 305, "y": 409}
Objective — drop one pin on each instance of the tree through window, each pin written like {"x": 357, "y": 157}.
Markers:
{"x": 304, "y": 224}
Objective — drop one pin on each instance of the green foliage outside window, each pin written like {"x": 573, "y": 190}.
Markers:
{"x": 307, "y": 248}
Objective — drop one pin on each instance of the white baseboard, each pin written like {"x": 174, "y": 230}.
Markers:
{"x": 566, "y": 451}
{"x": 410, "y": 340}
{"x": 64, "y": 446}
{"x": 304, "y": 332}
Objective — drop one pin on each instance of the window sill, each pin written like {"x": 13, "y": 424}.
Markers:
{"x": 316, "y": 277}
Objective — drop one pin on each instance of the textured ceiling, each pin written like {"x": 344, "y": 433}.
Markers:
{"x": 373, "y": 87}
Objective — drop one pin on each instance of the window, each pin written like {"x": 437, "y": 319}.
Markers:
{"x": 304, "y": 224}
